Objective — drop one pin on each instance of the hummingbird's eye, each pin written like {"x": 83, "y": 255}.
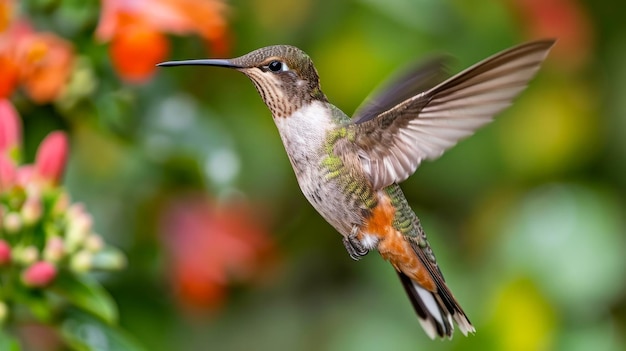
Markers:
{"x": 277, "y": 66}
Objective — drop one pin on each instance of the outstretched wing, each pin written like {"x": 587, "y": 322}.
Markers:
{"x": 418, "y": 78}
{"x": 392, "y": 144}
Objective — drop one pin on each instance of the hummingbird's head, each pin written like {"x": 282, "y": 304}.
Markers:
{"x": 283, "y": 75}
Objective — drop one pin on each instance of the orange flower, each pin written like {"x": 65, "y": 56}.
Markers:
{"x": 209, "y": 246}
{"x": 136, "y": 48}
{"x": 46, "y": 62}
{"x": 40, "y": 62}
{"x": 9, "y": 73}
{"x": 135, "y": 29}
{"x": 6, "y": 13}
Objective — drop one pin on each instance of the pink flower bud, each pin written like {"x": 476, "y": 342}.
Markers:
{"x": 51, "y": 158}
{"x": 61, "y": 204}
{"x": 5, "y": 253}
{"x": 8, "y": 173}
{"x": 26, "y": 255}
{"x": 78, "y": 228}
{"x": 94, "y": 243}
{"x": 12, "y": 222}
{"x": 81, "y": 262}
{"x": 76, "y": 209}
{"x": 54, "y": 250}
{"x": 24, "y": 175}
{"x": 39, "y": 274}
{"x": 31, "y": 210}
{"x": 10, "y": 129}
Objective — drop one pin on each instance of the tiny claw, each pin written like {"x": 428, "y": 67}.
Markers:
{"x": 355, "y": 248}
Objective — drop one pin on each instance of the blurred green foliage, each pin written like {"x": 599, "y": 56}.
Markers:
{"x": 526, "y": 217}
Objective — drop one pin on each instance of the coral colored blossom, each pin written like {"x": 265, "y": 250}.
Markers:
{"x": 6, "y": 9}
{"x": 46, "y": 62}
{"x": 209, "y": 246}
{"x": 9, "y": 72}
{"x": 40, "y": 63}
{"x": 136, "y": 30}
{"x": 39, "y": 274}
{"x": 136, "y": 49}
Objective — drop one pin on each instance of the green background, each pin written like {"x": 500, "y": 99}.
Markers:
{"x": 526, "y": 217}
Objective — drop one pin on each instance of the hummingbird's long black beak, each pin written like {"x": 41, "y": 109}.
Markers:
{"x": 204, "y": 62}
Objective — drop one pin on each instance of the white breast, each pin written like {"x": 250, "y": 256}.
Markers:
{"x": 303, "y": 132}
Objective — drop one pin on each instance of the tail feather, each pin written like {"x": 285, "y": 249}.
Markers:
{"x": 436, "y": 311}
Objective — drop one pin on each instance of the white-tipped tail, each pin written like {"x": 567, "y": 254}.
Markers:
{"x": 436, "y": 311}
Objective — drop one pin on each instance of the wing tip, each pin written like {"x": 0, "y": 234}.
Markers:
{"x": 545, "y": 42}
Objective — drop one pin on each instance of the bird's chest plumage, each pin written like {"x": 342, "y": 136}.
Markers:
{"x": 305, "y": 137}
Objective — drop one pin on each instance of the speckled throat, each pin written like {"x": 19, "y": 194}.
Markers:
{"x": 281, "y": 101}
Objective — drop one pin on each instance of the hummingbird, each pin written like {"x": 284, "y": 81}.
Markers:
{"x": 349, "y": 168}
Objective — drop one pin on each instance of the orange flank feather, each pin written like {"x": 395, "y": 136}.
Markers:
{"x": 393, "y": 246}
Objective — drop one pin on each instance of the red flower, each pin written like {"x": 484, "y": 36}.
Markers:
{"x": 209, "y": 246}
{"x": 136, "y": 30}
{"x": 564, "y": 20}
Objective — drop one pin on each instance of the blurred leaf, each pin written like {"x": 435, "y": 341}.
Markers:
{"x": 552, "y": 129}
{"x": 8, "y": 342}
{"x": 87, "y": 294}
{"x": 523, "y": 319}
{"x": 424, "y": 15}
{"x": 605, "y": 335}
{"x": 570, "y": 239}
{"x": 36, "y": 302}
{"x": 83, "y": 332}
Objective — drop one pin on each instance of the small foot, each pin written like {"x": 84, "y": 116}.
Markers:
{"x": 355, "y": 248}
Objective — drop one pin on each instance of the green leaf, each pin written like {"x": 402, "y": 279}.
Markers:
{"x": 8, "y": 342}
{"x": 36, "y": 302}
{"x": 87, "y": 294}
{"x": 83, "y": 332}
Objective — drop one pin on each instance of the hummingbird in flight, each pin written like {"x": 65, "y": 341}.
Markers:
{"x": 349, "y": 168}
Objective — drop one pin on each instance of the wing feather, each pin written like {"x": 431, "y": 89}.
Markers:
{"x": 415, "y": 80}
{"x": 392, "y": 144}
